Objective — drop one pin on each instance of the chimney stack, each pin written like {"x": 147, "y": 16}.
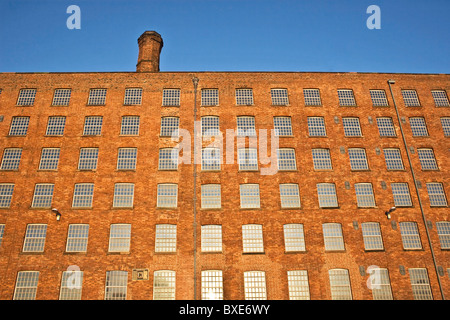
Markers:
{"x": 150, "y": 45}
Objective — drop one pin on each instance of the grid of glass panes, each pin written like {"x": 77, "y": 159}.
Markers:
{"x": 410, "y": 235}
{"x": 393, "y": 159}
{"x": 436, "y": 194}
{"x": 410, "y": 98}
{"x": 286, "y": 159}
{"x": 211, "y": 238}
{"x": 298, "y": 285}
{"x": 130, "y": 126}
{"x": 168, "y": 159}
{"x": 289, "y": 195}
{"x": 19, "y": 126}
{"x": 210, "y": 126}
{"x": 97, "y": 97}
{"x": 164, "y": 285}
{"x": 55, "y": 126}
{"x": 211, "y": 196}
{"x": 248, "y": 159}
{"x": 244, "y": 96}
{"x": 420, "y": 284}
{"x": 211, "y": 159}
{"x": 445, "y": 123}
{"x": 332, "y": 236}
{"x": 116, "y": 285}
{"x": 126, "y": 159}
{"x": 443, "y": 231}
{"x": 169, "y": 126}
{"x": 6, "y": 192}
{"x": 358, "y": 159}
{"x": 440, "y": 98}
{"x": 316, "y": 127}
{"x": 212, "y": 285}
{"x": 61, "y": 97}
{"x": 379, "y": 98}
{"x": 246, "y": 126}
{"x": 346, "y": 98}
{"x": 386, "y": 127}
{"x": 249, "y": 195}
{"x": 321, "y": 159}
{"x": 11, "y": 159}
{"x": 279, "y": 97}
{"x": 327, "y": 195}
{"x": 381, "y": 285}
{"x": 77, "y": 238}
{"x": 210, "y": 97}
{"x": 294, "y": 238}
{"x": 340, "y": 284}
{"x": 427, "y": 159}
{"x": 171, "y": 97}
{"x": 371, "y": 233}
{"x": 35, "y": 238}
{"x": 282, "y": 126}
{"x": 43, "y": 194}
{"x": 83, "y": 195}
{"x": 88, "y": 159}
{"x": 26, "y": 97}
{"x": 119, "y": 237}
{"x": 123, "y": 195}
{"x": 312, "y": 97}
{"x": 364, "y": 195}
{"x": 252, "y": 238}
{"x": 418, "y": 127}
{"x": 400, "y": 192}
{"x": 255, "y": 285}
{"x": 167, "y": 195}
{"x": 26, "y": 285}
{"x": 49, "y": 159}
{"x": 352, "y": 127}
{"x": 71, "y": 285}
{"x": 2, "y": 230}
{"x": 93, "y": 126}
{"x": 133, "y": 96}
{"x": 166, "y": 238}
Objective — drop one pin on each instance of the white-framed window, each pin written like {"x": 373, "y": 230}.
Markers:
{"x": 123, "y": 195}
{"x": 282, "y": 126}
{"x": 400, "y": 192}
{"x": 26, "y": 97}
{"x": 170, "y": 126}
{"x": 210, "y": 97}
{"x": 49, "y": 159}
{"x": 358, "y": 159}
{"x": 168, "y": 159}
{"x": 93, "y": 126}
{"x": 97, "y": 97}
{"x": 332, "y": 237}
{"x": 248, "y": 159}
{"x": 19, "y": 126}
{"x": 249, "y": 195}
{"x": 43, "y": 194}
{"x": 171, "y": 98}
{"x": 286, "y": 159}
{"x": 420, "y": 284}
{"x": 55, "y": 126}
{"x": 436, "y": 194}
{"x": 346, "y": 98}
{"x": 289, "y": 195}
{"x": 244, "y": 96}
{"x": 326, "y": 193}
{"x": 371, "y": 233}
{"x": 445, "y": 123}
{"x": 71, "y": 285}
{"x": 126, "y": 159}
{"x": 26, "y": 285}
{"x": 133, "y": 97}
{"x": 61, "y": 97}
{"x": 294, "y": 237}
{"x": 210, "y": 126}
{"x": 77, "y": 238}
{"x": 246, "y": 126}
{"x": 211, "y": 159}
{"x": 352, "y": 128}
{"x": 6, "y": 192}
{"x": 255, "y": 285}
{"x": 212, "y": 285}
{"x": 252, "y": 238}
{"x": 119, "y": 237}
{"x": 410, "y": 235}
{"x": 167, "y": 195}
{"x": 393, "y": 159}
{"x": 11, "y": 159}
{"x": 340, "y": 284}
{"x": 410, "y": 98}
{"x": 88, "y": 159}
{"x": 2, "y": 230}
{"x": 386, "y": 127}
{"x": 298, "y": 285}
{"x": 164, "y": 285}
{"x": 427, "y": 159}
{"x": 321, "y": 159}
{"x": 381, "y": 289}
{"x": 166, "y": 238}
{"x": 418, "y": 127}
{"x": 35, "y": 238}
{"x": 379, "y": 98}
{"x": 443, "y": 231}
{"x": 440, "y": 98}
{"x": 211, "y": 238}
{"x": 116, "y": 285}
{"x": 211, "y": 196}
{"x": 82, "y": 195}
{"x": 364, "y": 195}
{"x": 312, "y": 97}
{"x": 279, "y": 97}
{"x": 130, "y": 126}
{"x": 316, "y": 127}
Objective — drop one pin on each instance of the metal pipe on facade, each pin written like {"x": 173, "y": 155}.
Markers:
{"x": 194, "y": 199}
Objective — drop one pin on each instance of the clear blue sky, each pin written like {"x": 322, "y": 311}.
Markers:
{"x": 227, "y": 35}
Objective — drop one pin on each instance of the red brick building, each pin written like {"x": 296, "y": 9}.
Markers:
{"x": 92, "y": 207}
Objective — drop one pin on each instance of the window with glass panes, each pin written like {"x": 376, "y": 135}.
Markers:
{"x": 171, "y": 98}
{"x": 210, "y": 97}
{"x": 2, "y": 230}
{"x": 400, "y": 192}
{"x": 167, "y": 195}
{"x": 443, "y": 231}
{"x": 427, "y": 159}
{"x": 358, "y": 159}
{"x": 88, "y": 159}
{"x": 379, "y": 98}
{"x": 116, "y": 285}
{"x": 126, "y": 159}
{"x": 97, "y": 97}
{"x": 244, "y": 96}
{"x": 282, "y": 126}
{"x": 55, "y": 126}
{"x": 294, "y": 238}
{"x": 364, "y": 195}
{"x": 410, "y": 98}
{"x": 93, "y": 126}
{"x": 321, "y": 159}
{"x": 371, "y": 233}
{"x": 133, "y": 96}
{"x": 252, "y": 238}
{"x": 166, "y": 238}
{"x": 248, "y": 159}
{"x": 168, "y": 159}
{"x": 255, "y": 285}
{"x": 11, "y": 159}
{"x": 77, "y": 238}
{"x": 71, "y": 285}
{"x": 35, "y": 238}
{"x": 327, "y": 195}
{"x": 346, "y": 98}
{"x": 211, "y": 238}
{"x": 312, "y": 97}
{"x": 130, "y": 126}
{"x": 61, "y": 97}
{"x": 211, "y": 159}
{"x": 298, "y": 285}
{"x": 340, "y": 284}
{"x": 119, "y": 237}
{"x": 410, "y": 235}
{"x": 420, "y": 284}
{"x": 380, "y": 285}
{"x": 386, "y": 127}
{"x": 249, "y": 195}
{"x": 352, "y": 127}
{"x": 289, "y": 195}
{"x": 26, "y": 97}
{"x": 26, "y": 285}
{"x": 286, "y": 159}
{"x": 246, "y": 126}
{"x": 445, "y": 123}
{"x": 210, "y": 126}
{"x": 83, "y": 195}
{"x": 316, "y": 127}
{"x": 169, "y": 126}
{"x": 19, "y": 126}
{"x": 436, "y": 194}
{"x": 393, "y": 159}
{"x": 332, "y": 237}
{"x": 123, "y": 195}
{"x": 43, "y": 194}
{"x": 418, "y": 127}
{"x": 49, "y": 159}
{"x": 440, "y": 98}
{"x": 279, "y": 97}
{"x": 212, "y": 285}
{"x": 164, "y": 285}
{"x": 211, "y": 196}
{"x": 6, "y": 192}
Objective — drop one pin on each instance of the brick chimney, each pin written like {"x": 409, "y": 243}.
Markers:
{"x": 150, "y": 45}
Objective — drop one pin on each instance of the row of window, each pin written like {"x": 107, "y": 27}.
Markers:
{"x": 167, "y": 195}
{"x": 245, "y": 126}
{"x": 252, "y": 237}
{"x": 243, "y": 96}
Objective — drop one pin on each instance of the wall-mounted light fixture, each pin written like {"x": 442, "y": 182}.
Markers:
{"x": 388, "y": 213}
{"x": 57, "y": 213}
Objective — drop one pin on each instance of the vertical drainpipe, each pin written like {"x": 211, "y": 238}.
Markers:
{"x": 417, "y": 190}
{"x": 194, "y": 199}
